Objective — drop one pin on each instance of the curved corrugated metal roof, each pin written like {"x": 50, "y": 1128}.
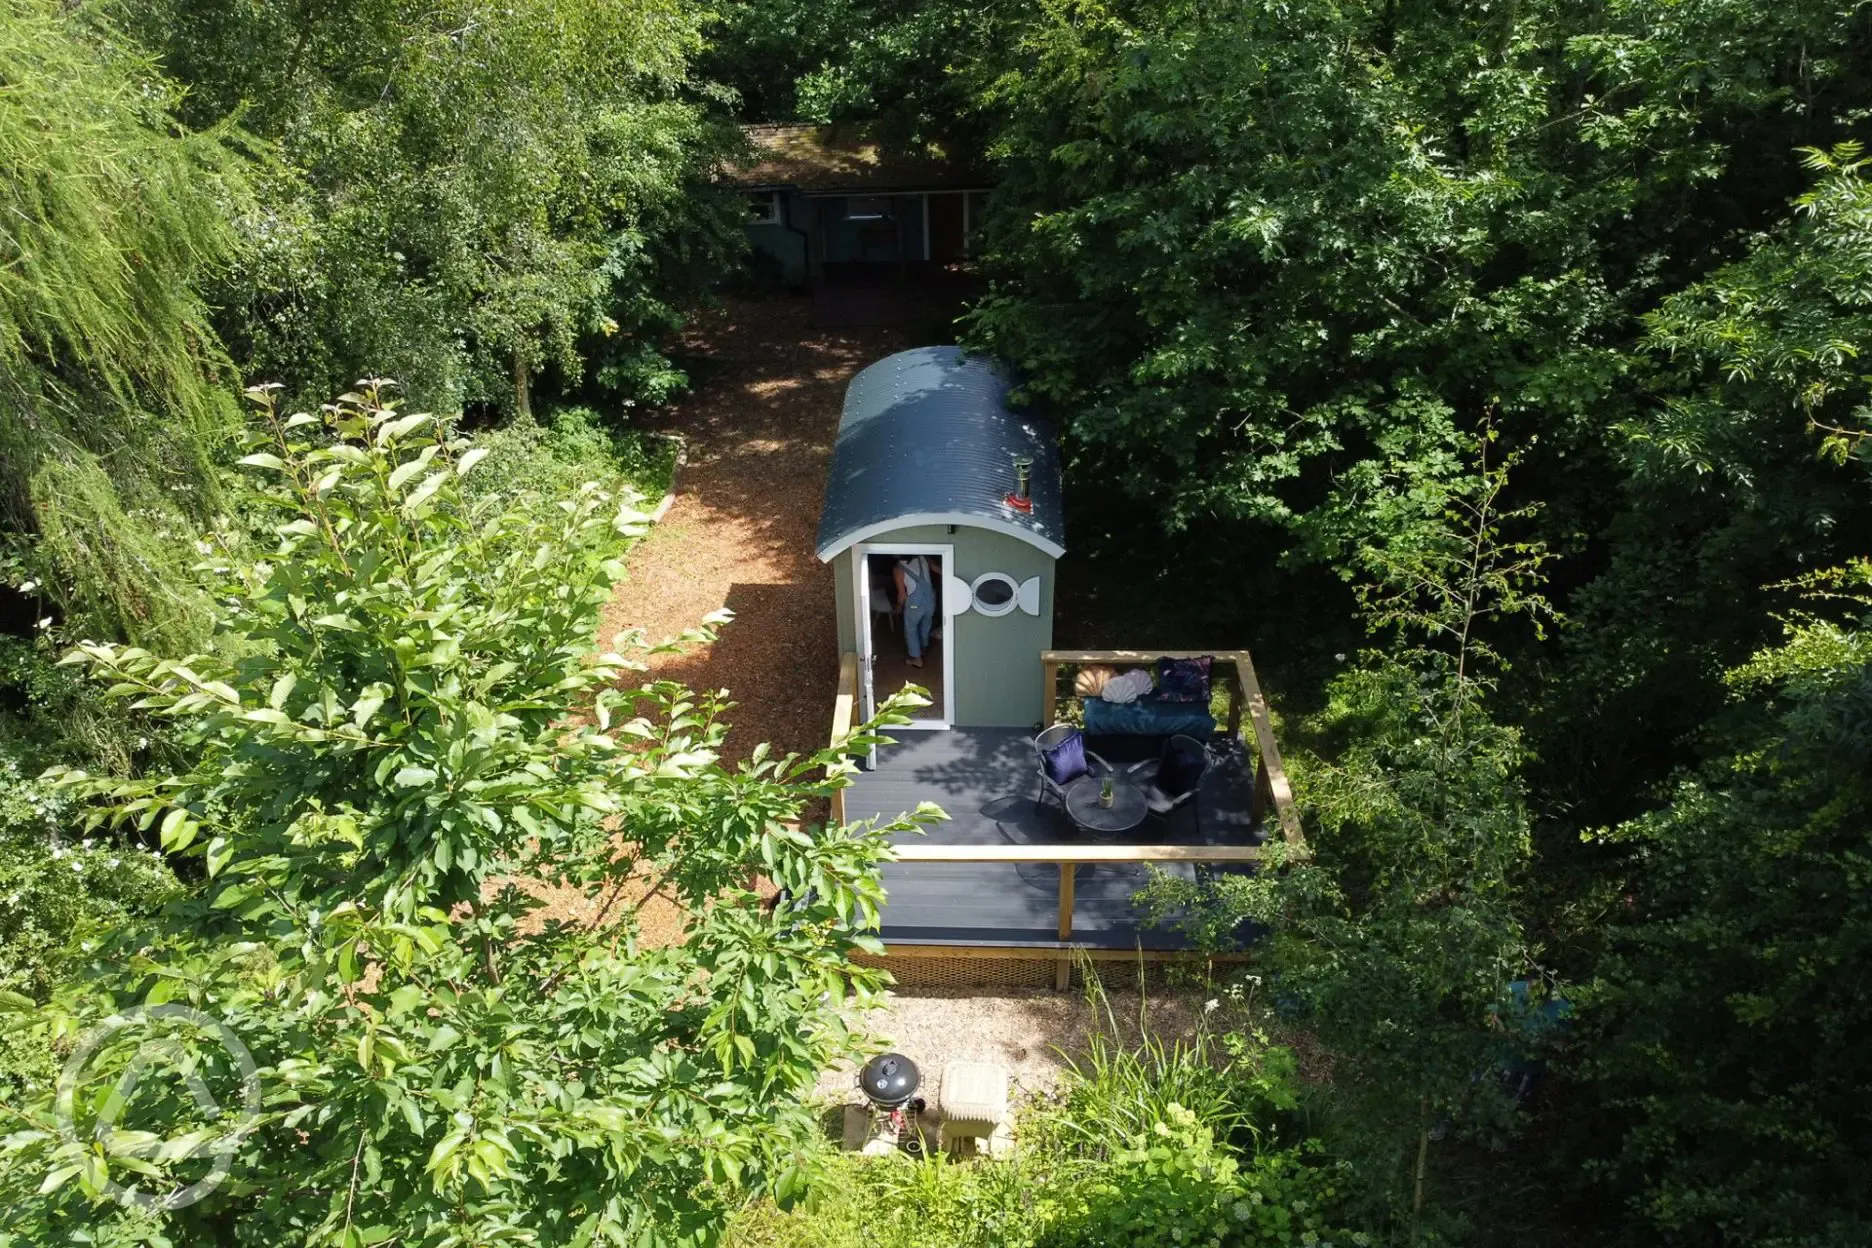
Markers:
{"x": 927, "y": 437}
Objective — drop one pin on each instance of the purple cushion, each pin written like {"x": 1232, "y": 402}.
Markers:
{"x": 1065, "y": 762}
{"x": 1180, "y": 770}
{"x": 1183, "y": 680}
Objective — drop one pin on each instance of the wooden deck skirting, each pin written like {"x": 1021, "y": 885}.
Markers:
{"x": 1271, "y": 787}
{"x": 1075, "y": 855}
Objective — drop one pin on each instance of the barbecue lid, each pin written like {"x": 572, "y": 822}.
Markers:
{"x": 889, "y": 1079}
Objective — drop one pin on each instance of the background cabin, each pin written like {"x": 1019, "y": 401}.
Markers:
{"x": 823, "y": 196}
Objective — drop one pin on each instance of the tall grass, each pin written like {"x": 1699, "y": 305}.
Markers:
{"x": 1070, "y": 1158}
{"x": 902, "y": 1202}
{"x": 1116, "y": 1089}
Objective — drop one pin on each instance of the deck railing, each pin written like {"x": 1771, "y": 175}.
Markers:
{"x": 1271, "y": 789}
{"x": 1069, "y": 859}
{"x": 1244, "y": 689}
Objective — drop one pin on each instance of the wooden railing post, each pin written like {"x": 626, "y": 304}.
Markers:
{"x": 1258, "y": 804}
{"x": 1280, "y": 792}
{"x": 844, "y": 708}
{"x": 1062, "y": 972}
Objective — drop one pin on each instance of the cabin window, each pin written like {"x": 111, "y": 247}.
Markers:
{"x": 867, "y": 208}
{"x": 994, "y": 593}
{"x": 763, "y": 208}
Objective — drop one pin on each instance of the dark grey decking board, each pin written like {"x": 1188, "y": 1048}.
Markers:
{"x": 986, "y": 781}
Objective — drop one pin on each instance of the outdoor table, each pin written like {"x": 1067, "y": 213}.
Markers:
{"x": 1127, "y": 811}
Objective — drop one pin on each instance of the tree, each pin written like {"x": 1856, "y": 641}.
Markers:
{"x": 112, "y": 383}
{"x": 1401, "y": 932}
{"x": 1724, "y": 1010}
{"x": 1232, "y": 243}
{"x": 408, "y": 747}
{"x": 469, "y": 194}
{"x": 1778, "y": 331}
{"x": 1728, "y": 1017}
{"x": 913, "y": 72}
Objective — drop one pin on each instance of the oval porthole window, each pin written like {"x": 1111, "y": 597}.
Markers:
{"x": 994, "y": 593}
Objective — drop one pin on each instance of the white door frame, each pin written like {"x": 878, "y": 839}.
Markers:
{"x": 861, "y": 573}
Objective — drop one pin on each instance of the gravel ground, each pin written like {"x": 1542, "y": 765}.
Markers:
{"x": 759, "y": 429}
{"x": 1025, "y": 1031}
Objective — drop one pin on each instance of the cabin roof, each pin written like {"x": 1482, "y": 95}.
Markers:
{"x": 844, "y": 159}
{"x": 927, "y": 437}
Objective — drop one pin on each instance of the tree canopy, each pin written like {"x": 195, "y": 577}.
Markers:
{"x": 113, "y": 387}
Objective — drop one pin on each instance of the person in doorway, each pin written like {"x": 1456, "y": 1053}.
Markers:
{"x": 916, "y": 599}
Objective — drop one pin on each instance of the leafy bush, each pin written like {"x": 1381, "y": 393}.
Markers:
{"x": 1115, "y": 1092}
{"x": 1728, "y": 1021}
{"x": 1174, "y": 1184}
{"x": 899, "y": 1202}
{"x": 550, "y": 461}
{"x": 57, "y": 896}
{"x": 421, "y": 740}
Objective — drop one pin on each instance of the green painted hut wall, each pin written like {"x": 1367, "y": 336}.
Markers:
{"x": 997, "y": 659}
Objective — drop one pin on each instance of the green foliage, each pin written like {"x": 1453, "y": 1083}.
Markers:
{"x": 1777, "y": 331}
{"x": 1154, "y": 1171}
{"x": 51, "y": 889}
{"x": 1401, "y": 932}
{"x": 1237, "y": 244}
{"x": 1170, "y": 1183}
{"x": 1236, "y": 1085}
{"x": 1174, "y": 1184}
{"x": 470, "y": 193}
{"x": 549, "y": 461}
{"x": 418, "y": 738}
{"x": 59, "y": 895}
{"x": 1729, "y": 1016}
{"x": 910, "y": 70}
{"x": 112, "y": 394}
{"x": 895, "y": 1202}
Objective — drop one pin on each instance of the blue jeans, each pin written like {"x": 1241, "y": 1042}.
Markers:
{"x": 917, "y": 619}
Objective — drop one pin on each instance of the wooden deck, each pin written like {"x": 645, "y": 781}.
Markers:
{"x": 986, "y": 780}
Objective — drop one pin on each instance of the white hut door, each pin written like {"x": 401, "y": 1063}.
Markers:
{"x": 887, "y": 651}
{"x": 867, "y": 645}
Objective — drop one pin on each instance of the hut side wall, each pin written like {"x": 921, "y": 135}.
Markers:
{"x": 842, "y": 594}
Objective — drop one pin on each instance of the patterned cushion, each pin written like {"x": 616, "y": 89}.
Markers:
{"x": 1183, "y": 680}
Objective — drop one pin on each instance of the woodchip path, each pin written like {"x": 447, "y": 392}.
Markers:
{"x": 759, "y": 428}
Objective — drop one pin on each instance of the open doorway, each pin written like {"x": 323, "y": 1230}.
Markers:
{"x": 888, "y": 640}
